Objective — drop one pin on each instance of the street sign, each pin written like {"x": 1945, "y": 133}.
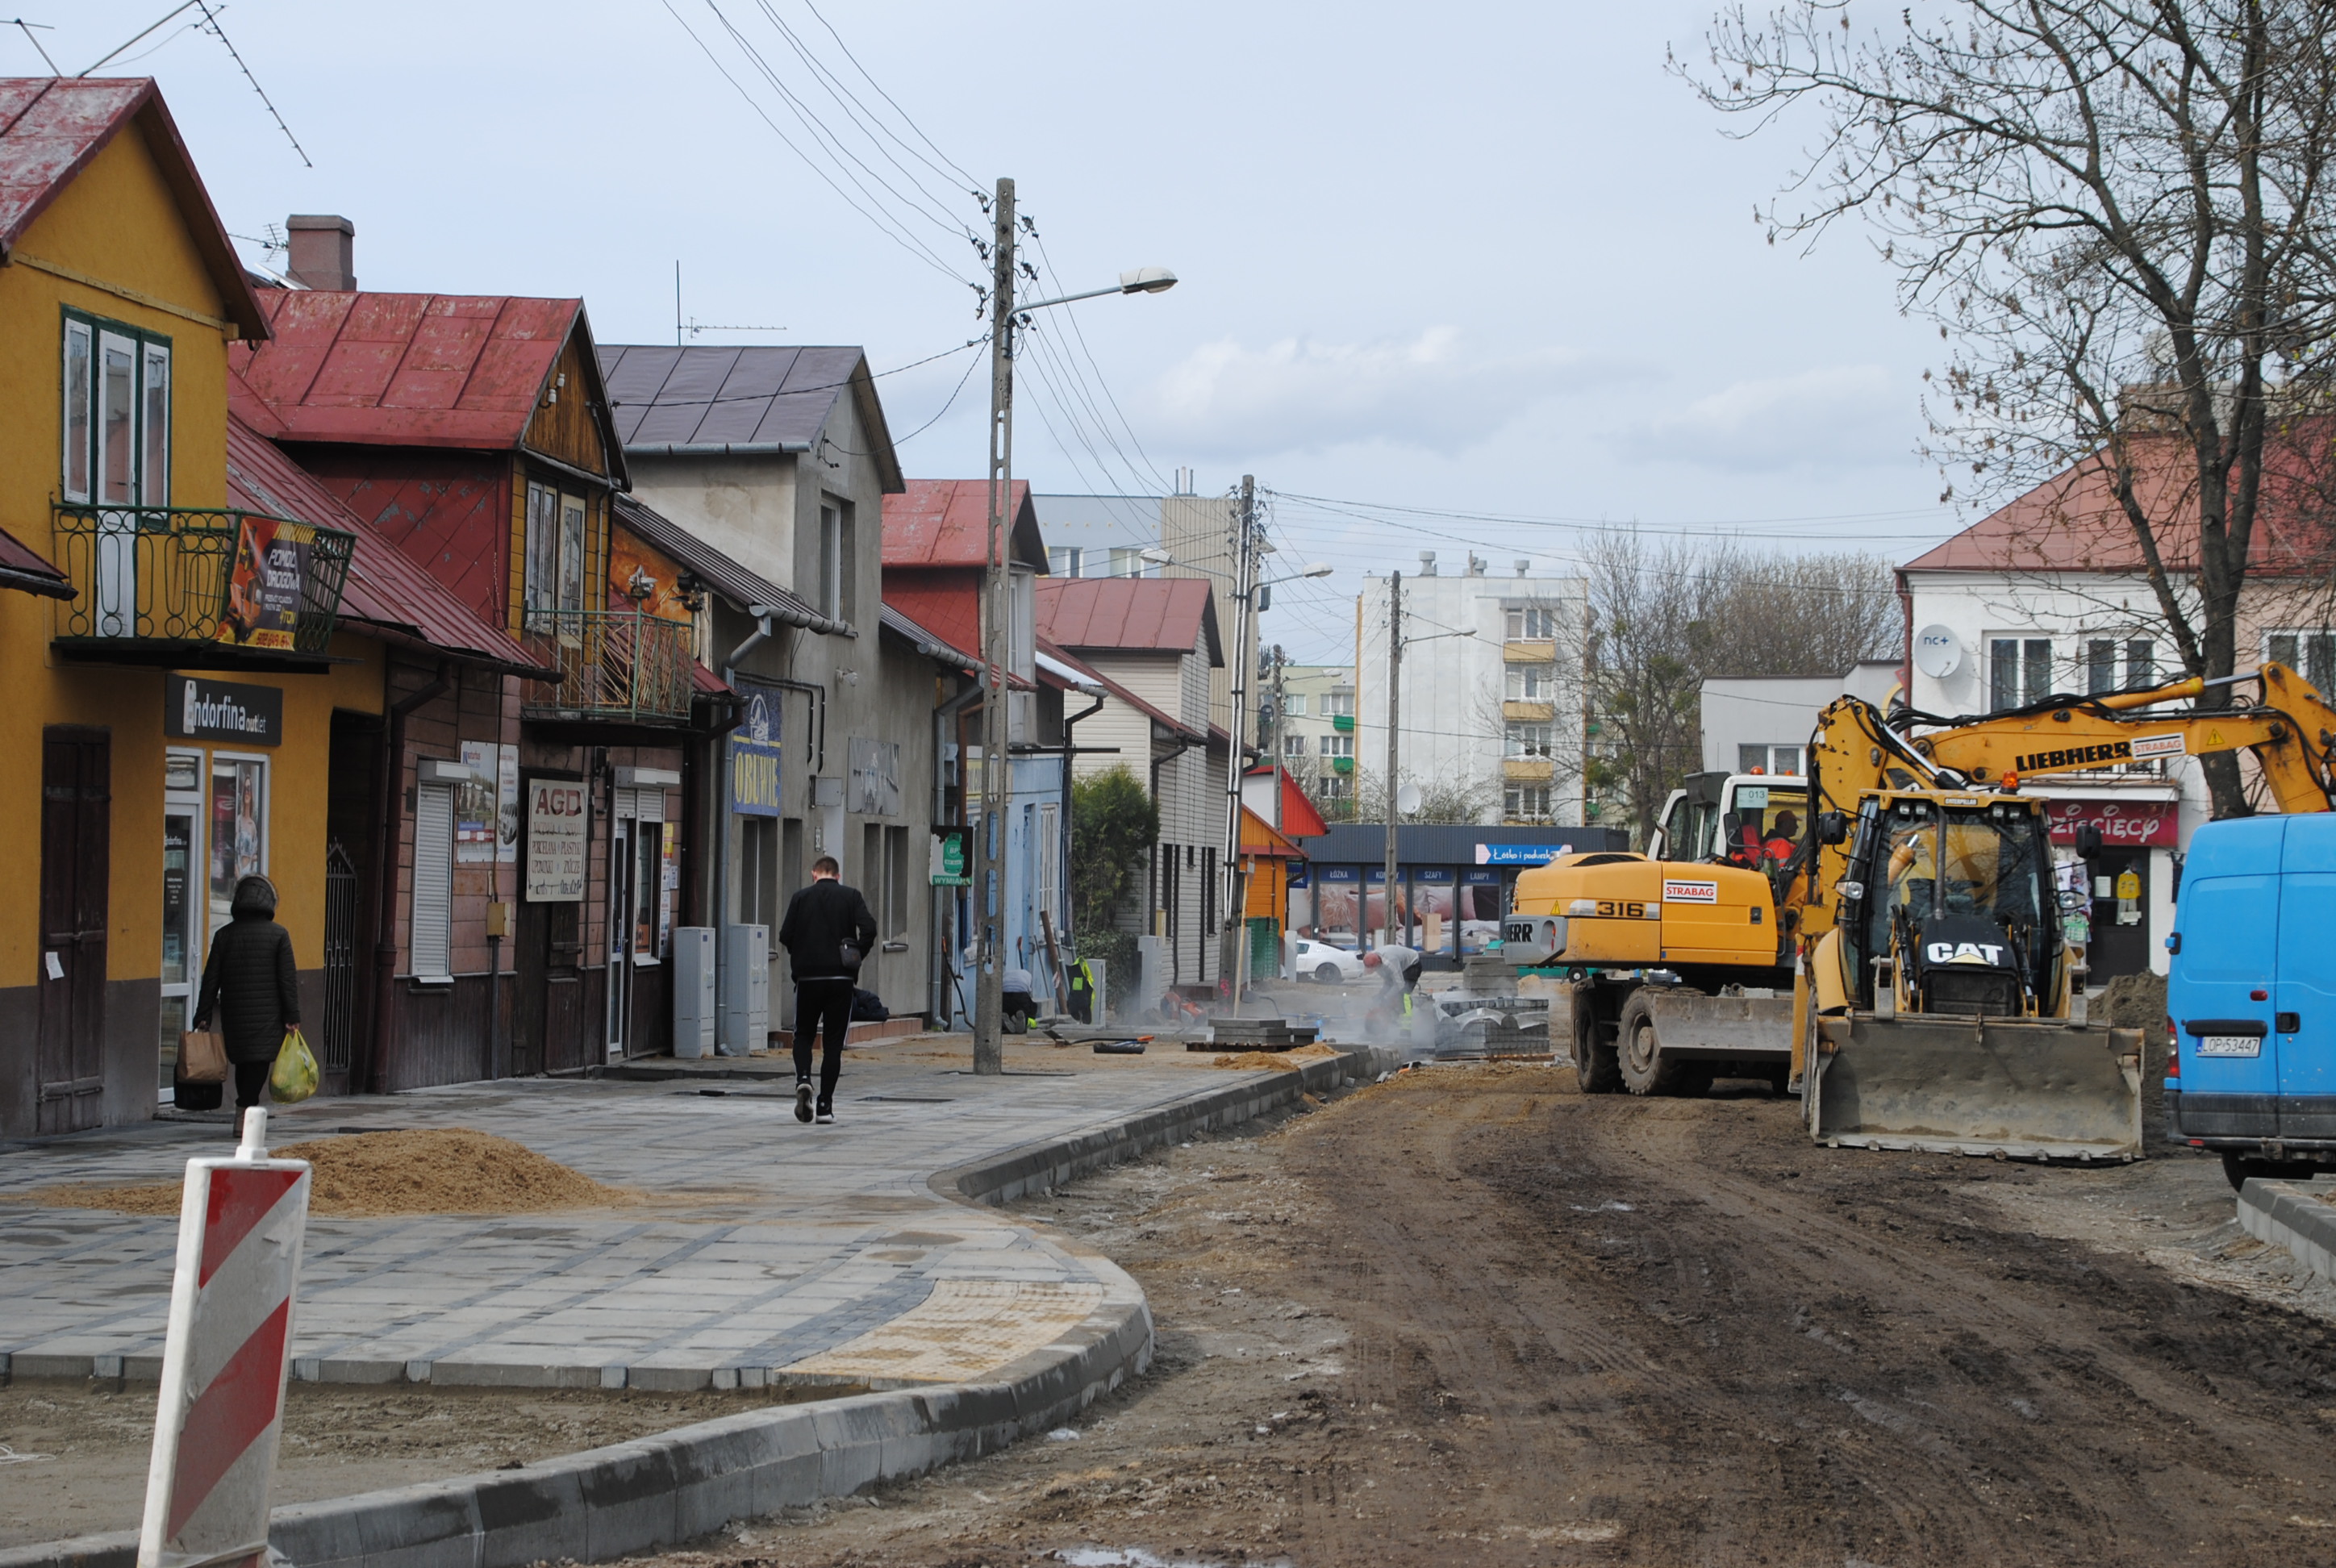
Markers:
{"x": 948, "y": 865}
{"x": 1519, "y": 855}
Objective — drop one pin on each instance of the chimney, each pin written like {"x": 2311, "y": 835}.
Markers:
{"x": 1186, "y": 483}
{"x": 323, "y": 251}
{"x": 1427, "y": 563}
{"x": 1524, "y": 566}
{"x": 1477, "y": 564}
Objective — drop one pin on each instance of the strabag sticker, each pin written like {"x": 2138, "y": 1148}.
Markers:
{"x": 1680, "y": 891}
{"x": 2150, "y": 745}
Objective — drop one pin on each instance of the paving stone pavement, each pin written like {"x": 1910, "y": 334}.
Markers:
{"x": 765, "y": 1250}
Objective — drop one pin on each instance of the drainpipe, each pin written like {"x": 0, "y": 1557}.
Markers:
{"x": 755, "y": 638}
{"x": 948, "y": 720}
{"x": 1906, "y": 662}
{"x": 385, "y": 945}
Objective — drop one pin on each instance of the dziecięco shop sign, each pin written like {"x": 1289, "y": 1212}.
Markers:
{"x": 194, "y": 708}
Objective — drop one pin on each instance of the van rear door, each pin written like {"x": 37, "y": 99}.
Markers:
{"x": 2304, "y": 994}
{"x": 2227, "y": 927}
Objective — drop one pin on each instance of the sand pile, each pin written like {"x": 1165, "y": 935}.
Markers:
{"x": 1273, "y": 1061}
{"x": 432, "y": 1171}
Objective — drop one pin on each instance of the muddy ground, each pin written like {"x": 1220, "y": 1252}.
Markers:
{"x": 1473, "y": 1317}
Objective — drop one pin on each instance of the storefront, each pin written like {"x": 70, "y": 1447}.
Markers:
{"x": 2128, "y": 891}
{"x": 1454, "y": 882}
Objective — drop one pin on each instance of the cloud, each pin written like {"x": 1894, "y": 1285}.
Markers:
{"x": 1433, "y": 391}
{"x": 1834, "y": 415}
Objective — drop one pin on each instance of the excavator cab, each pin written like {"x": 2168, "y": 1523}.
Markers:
{"x": 1958, "y": 898}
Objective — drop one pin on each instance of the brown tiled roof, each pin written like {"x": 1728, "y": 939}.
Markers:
{"x": 1155, "y": 614}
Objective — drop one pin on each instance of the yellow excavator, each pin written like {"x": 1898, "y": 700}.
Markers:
{"x": 1904, "y": 965}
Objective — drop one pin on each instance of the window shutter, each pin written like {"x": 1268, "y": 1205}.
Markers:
{"x": 431, "y": 936}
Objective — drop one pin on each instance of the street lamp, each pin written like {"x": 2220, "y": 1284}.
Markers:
{"x": 988, "y": 840}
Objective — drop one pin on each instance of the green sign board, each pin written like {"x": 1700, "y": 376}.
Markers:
{"x": 948, "y": 858}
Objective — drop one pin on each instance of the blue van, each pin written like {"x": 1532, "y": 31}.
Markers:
{"x": 2252, "y": 996}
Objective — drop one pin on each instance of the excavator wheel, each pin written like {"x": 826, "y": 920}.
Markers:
{"x": 1595, "y": 1070}
{"x": 1638, "y": 1050}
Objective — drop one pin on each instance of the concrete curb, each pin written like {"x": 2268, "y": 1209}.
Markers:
{"x": 2292, "y": 1215}
{"x": 637, "y": 1497}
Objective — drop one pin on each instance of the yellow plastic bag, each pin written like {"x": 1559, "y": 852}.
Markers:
{"x": 293, "y": 1078}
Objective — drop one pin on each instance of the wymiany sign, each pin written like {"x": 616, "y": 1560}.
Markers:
{"x": 194, "y": 708}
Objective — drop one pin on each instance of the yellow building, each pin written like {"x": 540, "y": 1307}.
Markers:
{"x": 167, "y": 728}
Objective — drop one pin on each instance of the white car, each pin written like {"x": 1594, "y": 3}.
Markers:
{"x": 1333, "y": 966}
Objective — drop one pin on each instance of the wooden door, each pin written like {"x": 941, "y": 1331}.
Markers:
{"x": 76, "y": 810}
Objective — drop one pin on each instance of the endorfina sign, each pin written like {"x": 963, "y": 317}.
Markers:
{"x": 194, "y": 708}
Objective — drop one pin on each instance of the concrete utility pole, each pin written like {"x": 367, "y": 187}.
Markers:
{"x": 1395, "y": 728}
{"x": 989, "y": 840}
{"x": 1236, "y": 924}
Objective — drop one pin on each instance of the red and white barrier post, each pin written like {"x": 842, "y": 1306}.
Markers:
{"x": 240, "y": 1225}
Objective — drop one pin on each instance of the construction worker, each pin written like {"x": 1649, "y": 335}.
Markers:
{"x": 1398, "y": 968}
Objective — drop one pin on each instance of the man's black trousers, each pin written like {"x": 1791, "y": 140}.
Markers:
{"x": 822, "y": 1007}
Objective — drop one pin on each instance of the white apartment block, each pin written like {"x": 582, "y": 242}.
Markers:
{"x": 1315, "y": 731}
{"x": 1492, "y": 688}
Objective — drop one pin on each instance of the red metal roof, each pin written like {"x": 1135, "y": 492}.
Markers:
{"x": 50, "y": 129}
{"x": 1160, "y": 614}
{"x": 945, "y": 522}
{"x": 410, "y": 369}
{"x": 1157, "y": 716}
{"x": 22, "y": 568}
{"x": 2074, "y": 522}
{"x": 386, "y": 591}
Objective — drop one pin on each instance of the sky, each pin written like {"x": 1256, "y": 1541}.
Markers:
{"x": 1474, "y": 278}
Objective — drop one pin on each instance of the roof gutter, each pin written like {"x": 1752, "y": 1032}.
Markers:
{"x": 721, "y": 449}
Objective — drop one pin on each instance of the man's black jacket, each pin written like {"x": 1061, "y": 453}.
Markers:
{"x": 819, "y": 920}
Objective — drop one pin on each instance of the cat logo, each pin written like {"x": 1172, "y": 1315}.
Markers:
{"x": 1988, "y": 953}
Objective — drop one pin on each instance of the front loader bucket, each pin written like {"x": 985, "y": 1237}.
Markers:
{"x": 2027, "y": 1090}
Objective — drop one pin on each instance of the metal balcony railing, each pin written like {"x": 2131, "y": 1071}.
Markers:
{"x": 613, "y": 664}
{"x": 178, "y": 575}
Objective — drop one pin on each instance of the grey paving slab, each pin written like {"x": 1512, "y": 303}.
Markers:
{"x": 757, "y": 1242}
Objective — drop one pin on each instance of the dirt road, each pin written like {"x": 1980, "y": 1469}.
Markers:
{"x": 1473, "y": 1317}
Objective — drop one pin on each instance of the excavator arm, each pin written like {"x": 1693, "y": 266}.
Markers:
{"x": 2292, "y": 732}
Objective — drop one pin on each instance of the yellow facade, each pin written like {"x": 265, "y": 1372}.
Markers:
{"x": 115, "y": 244}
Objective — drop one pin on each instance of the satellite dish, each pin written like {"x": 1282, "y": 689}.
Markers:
{"x": 1938, "y": 651}
{"x": 1406, "y": 799}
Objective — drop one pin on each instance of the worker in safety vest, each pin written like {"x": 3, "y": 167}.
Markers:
{"x": 1398, "y": 968}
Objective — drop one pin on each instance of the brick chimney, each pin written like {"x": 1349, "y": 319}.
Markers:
{"x": 323, "y": 250}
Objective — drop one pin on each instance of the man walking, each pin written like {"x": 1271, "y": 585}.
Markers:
{"x": 827, "y": 933}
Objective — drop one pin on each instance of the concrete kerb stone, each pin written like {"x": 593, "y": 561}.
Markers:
{"x": 2289, "y": 1214}
{"x": 629, "y": 1498}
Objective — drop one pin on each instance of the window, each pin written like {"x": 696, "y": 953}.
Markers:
{"x": 2310, "y": 653}
{"x": 1293, "y": 746}
{"x": 1528, "y": 740}
{"x": 2140, "y": 665}
{"x": 1209, "y": 891}
{"x": 431, "y": 932}
{"x": 1065, "y": 559}
{"x": 1050, "y": 865}
{"x": 1338, "y": 744}
{"x": 836, "y": 577}
{"x": 1531, "y": 682}
{"x": 896, "y": 882}
{"x": 2019, "y": 671}
{"x": 116, "y": 386}
{"x": 1339, "y": 705}
{"x": 1336, "y": 787}
{"x": 1526, "y": 804}
{"x": 2100, "y": 667}
{"x": 553, "y": 573}
{"x": 1128, "y": 563}
{"x": 1531, "y": 623}
{"x": 1294, "y": 704}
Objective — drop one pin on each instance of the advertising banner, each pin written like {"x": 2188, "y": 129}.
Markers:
{"x": 476, "y": 823}
{"x": 263, "y": 586}
{"x": 2123, "y": 825}
{"x": 557, "y": 829}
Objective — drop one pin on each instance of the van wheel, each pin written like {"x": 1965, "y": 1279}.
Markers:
{"x": 1645, "y": 1069}
{"x": 2238, "y": 1168}
{"x": 1595, "y": 1068}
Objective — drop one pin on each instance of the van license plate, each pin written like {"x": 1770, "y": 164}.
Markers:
{"x": 2230, "y": 1045}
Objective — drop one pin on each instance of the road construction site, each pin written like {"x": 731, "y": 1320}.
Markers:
{"x": 1470, "y": 1315}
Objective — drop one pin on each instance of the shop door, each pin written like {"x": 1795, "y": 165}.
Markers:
{"x": 2119, "y": 948}
{"x": 76, "y": 771}
{"x": 636, "y": 866}
{"x": 182, "y": 902}
{"x": 621, "y": 896}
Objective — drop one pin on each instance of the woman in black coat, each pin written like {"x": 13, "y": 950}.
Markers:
{"x": 249, "y": 979}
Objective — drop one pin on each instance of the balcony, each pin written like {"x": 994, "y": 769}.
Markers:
{"x": 1343, "y": 765}
{"x": 219, "y": 589}
{"x": 1539, "y": 712}
{"x": 1528, "y": 651}
{"x": 1344, "y": 723}
{"x": 1527, "y": 769}
{"x": 617, "y": 667}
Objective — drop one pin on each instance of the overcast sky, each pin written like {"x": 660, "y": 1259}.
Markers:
{"x": 1483, "y": 259}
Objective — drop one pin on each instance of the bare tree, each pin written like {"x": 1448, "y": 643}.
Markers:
{"x": 1663, "y": 618}
{"x": 1441, "y": 800}
{"x": 2117, "y": 212}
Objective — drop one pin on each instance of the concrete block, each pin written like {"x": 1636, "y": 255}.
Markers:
{"x": 629, "y": 1499}
{"x": 532, "y": 1515}
{"x": 113, "y": 1549}
{"x": 35, "y": 1364}
{"x": 669, "y": 1379}
{"x": 612, "y": 1377}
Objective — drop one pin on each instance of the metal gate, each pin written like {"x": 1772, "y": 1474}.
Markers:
{"x": 340, "y": 959}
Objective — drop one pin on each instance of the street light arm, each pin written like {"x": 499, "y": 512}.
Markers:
{"x": 1137, "y": 280}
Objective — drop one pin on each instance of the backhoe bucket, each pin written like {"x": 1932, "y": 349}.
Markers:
{"x": 2027, "y": 1090}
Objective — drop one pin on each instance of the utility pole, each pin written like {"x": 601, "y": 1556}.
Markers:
{"x": 988, "y": 891}
{"x": 1236, "y": 926}
{"x": 1395, "y": 728}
